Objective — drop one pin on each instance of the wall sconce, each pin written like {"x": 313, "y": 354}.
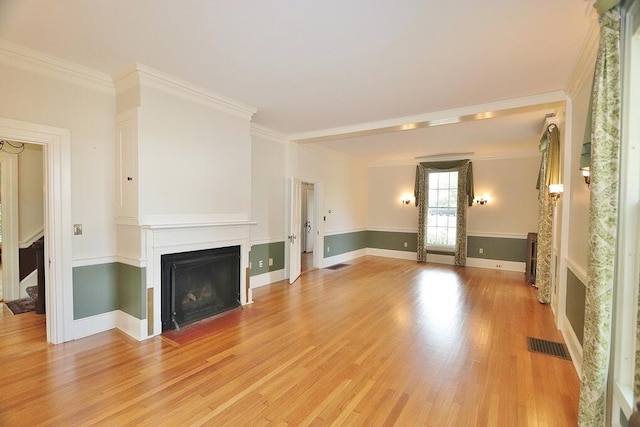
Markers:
{"x": 406, "y": 200}
{"x": 586, "y": 174}
{"x": 555, "y": 190}
{"x": 482, "y": 200}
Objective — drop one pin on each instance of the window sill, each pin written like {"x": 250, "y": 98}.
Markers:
{"x": 442, "y": 249}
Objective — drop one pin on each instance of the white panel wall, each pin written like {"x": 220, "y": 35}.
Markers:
{"x": 268, "y": 189}
{"x": 89, "y": 114}
{"x": 30, "y": 194}
{"x": 193, "y": 159}
{"x": 387, "y": 186}
{"x": 513, "y": 198}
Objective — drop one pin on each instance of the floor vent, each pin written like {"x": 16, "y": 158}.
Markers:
{"x": 551, "y": 348}
{"x": 337, "y": 266}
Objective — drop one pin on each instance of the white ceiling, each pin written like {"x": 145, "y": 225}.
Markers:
{"x": 313, "y": 66}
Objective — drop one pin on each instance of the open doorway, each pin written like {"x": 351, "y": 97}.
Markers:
{"x": 22, "y": 222}
{"x": 55, "y": 144}
{"x": 308, "y": 221}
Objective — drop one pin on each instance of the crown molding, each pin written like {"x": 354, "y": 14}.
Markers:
{"x": 585, "y": 63}
{"x": 267, "y": 133}
{"x": 473, "y": 112}
{"x": 516, "y": 154}
{"x": 32, "y": 60}
{"x": 144, "y": 76}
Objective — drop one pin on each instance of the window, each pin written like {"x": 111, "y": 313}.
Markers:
{"x": 442, "y": 209}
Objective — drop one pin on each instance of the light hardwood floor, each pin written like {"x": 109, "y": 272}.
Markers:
{"x": 381, "y": 342}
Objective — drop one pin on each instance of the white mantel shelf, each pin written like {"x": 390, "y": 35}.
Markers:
{"x": 170, "y": 226}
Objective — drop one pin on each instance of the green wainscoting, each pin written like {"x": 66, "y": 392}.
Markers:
{"x": 263, "y": 252}
{"x": 575, "y": 304}
{"x": 392, "y": 240}
{"x": 102, "y": 288}
{"x": 498, "y": 248}
{"x": 343, "y": 243}
{"x": 132, "y": 290}
{"x": 95, "y": 290}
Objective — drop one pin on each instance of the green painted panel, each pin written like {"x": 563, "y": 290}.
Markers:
{"x": 624, "y": 422}
{"x": 500, "y": 248}
{"x": 342, "y": 243}
{"x": 575, "y": 304}
{"x": 95, "y": 290}
{"x": 392, "y": 240}
{"x": 132, "y": 288}
{"x": 262, "y": 253}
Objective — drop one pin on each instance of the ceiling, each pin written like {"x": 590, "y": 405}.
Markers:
{"x": 341, "y": 74}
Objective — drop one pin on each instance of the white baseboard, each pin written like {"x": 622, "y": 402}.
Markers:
{"x": 30, "y": 280}
{"x": 348, "y": 256}
{"x": 266, "y": 278}
{"x": 388, "y": 253}
{"x": 131, "y": 325}
{"x": 573, "y": 345}
{"x": 94, "y": 324}
{"x": 496, "y": 264}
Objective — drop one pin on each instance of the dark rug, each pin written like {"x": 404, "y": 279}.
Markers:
{"x": 24, "y": 305}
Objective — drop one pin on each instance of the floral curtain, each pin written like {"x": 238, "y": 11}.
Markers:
{"x": 421, "y": 196}
{"x": 460, "y": 256}
{"x": 545, "y": 226}
{"x": 605, "y": 153}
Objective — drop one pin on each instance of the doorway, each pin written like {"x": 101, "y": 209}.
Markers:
{"x": 55, "y": 144}
{"x": 308, "y": 221}
{"x": 305, "y": 228}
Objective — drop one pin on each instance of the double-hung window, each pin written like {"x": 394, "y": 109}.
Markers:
{"x": 442, "y": 209}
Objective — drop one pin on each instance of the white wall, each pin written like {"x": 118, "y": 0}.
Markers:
{"x": 387, "y": 186}
{"x": 344, "y": 186}
{"x": 30, "y": 194}
{"x": 268, "y": 184}
{"x": 509, "y": 183}
{"x": 579, "y": 197}
{"x": 513, "y": 198}
{"x": 193, "y": 159}
{"x": 87, "y": 110}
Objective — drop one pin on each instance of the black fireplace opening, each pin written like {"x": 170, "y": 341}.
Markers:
{"x": 199, "y": 284}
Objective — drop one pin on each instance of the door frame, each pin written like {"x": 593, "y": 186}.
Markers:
{"x": 56, "y": 144}
{"x": 318, "y": 241}
{"x": 9, "y": 196}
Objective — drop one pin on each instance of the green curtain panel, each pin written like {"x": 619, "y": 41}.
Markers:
{"x": 545, "y": 226}
{"x": 605, "y": 153}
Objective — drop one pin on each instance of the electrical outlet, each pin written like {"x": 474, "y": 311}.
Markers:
{"x": 498, "y": 265}
{"x": 77, "y": 229}
{"x": 260, "y": 263}
{"x": 270, "y": 262}
{"x": 249, "y": 265}
{"x": 328, "y": 249}
{"x": 481, "y": 250}
{"x": 405, "y": 244}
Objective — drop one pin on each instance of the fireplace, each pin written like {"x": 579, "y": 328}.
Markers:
{"x": 198, "y": 284}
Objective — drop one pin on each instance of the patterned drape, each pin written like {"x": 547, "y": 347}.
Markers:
{"x": 605, "y": 153}
{"x": 422, "y": 195}
{"x": 545, "y": 226}
{"x": 460, "y": 257}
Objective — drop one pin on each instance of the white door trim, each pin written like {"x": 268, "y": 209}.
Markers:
{"x": 9, "y": 196}
{"x": 56, "y": 144}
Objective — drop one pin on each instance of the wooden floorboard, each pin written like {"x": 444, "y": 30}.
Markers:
{"x": 380, "y": 342}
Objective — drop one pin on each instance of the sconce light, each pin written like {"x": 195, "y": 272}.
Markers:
{"x": 11, "y": 147}
{"x": 482, "y": 200}
{"x": 405, "y": 200}
{"x": 555, "y": 190}
{"x": 585, "y": 163}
